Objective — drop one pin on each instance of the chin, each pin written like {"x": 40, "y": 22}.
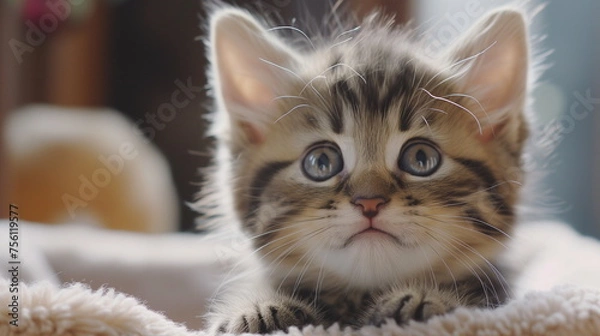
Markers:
{"x": 375, "y": 263}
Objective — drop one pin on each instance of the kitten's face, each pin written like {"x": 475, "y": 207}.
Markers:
{"x": 374, "y": 165}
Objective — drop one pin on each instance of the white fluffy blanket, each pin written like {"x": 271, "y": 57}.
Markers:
{"x": 556, "y": 294}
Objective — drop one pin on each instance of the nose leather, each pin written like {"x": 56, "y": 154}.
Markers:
{"x": 370, "y": 206}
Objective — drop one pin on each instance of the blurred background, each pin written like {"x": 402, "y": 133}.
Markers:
{"x": 146, "y": 59}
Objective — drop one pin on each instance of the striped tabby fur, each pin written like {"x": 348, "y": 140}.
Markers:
{"x": 432, "y": 237}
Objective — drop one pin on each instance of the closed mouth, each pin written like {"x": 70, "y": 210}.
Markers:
{"x": 369, "y": 230}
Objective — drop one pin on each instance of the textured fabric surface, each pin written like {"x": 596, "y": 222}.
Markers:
{"x": 77, "y": 310}
{"x": 557, "y": 294}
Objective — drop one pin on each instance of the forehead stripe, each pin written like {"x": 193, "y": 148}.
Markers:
{"x": 370, "y": 91}
{"x": 341, "y": 90}
{"x": 397, "y": 88}
{"x": 336, "y": 119}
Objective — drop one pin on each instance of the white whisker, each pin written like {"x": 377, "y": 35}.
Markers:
{"x": 349, "y": 31}
{"x": 290, "y": 111}
{"x": 436, "y": 110}
{"x": 459, "y": 62}
{"x": 311, "y": 81}
{"x": 296, "y": 30}
{"x": 455, "y": 104}
{"x": 351, "y": 69}
{"x": 341, "y": 42}
{"x": 282, "y": 68}
{"x": 443, "y": 261}
{"x": 427, "y": 124}
{"x": 470, "y": 97}
{"x": 287, "y": 97}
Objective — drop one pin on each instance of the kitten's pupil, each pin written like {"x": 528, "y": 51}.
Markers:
{"x": 323, "y": 162}
{"x": 421, "y": 158}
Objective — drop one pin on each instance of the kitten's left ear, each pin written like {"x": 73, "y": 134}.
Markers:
{"x": 494, "y": 57}
{"x": 249, "y": 66}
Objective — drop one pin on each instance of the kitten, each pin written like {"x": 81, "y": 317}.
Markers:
{"x": 373, "y": 182}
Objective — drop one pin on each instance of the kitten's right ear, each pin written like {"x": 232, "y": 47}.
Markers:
{"x": 250, "y": 68}
{"x": 494, "y": 58}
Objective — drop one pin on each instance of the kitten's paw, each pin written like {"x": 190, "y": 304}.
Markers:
{"x": 404, "y": 305}
{"x": 268, "y": 316}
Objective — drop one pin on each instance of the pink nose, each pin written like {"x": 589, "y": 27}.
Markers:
{"x": 370, "y": 206}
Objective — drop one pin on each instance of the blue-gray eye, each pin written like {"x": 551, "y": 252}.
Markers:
{"x": 419, "y": 158}
{"x": 322, "y": 162}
